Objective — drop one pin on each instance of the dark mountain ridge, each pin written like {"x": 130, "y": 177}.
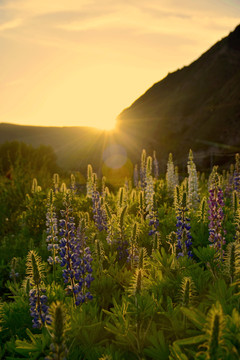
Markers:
{"x": 192, "y": 107}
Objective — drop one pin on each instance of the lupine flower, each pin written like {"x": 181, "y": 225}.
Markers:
{"x": 172, "y": 240}
{"x": 89, "y": 181}
{"x": 229, "y": 182}
{"x": 112, "y": 227}
{"x": 38, "y": 307}
{"x": 57, "y": 329}
{"x": 63, "y": 188}
{"x": 176, "y": 175}
{"x": 149, "y": 199}
{"x": 155, "y": 242}
{"x": 99, "y": 215}
{"x": 52, "y": 229}
{"x": 135, "y": 176}
{"x": 73, "y": 186}
{"x": 216, "y": 217}
{"x": 235, "y": 201}
{"x": 193, "y": 197}
{"x": 184, "y": 238}
{"x": 141, "y": 205}
{"x": 37, "y": 297}
{"x": 133, "y": 256}
{"x": 116, "y": 231}
{"x": 104, "y": 192}
{"x": 187, "y": 291}
{"x": 56, "y": 183}
{"x": 170, "y": 176}
{"x": 76, "y": 258}
{"x": 237, "y": 225}
{"x": 35, "y": 187}
{"x": 212, "y": 177}
{"x": 155, "y": 165}
{"x": 122, "y": 198}
{"x": 202, "y": 212}
{"x": 236, "y": 175}
{"x": 121, "y": 239}
{"x": 153, "y": 218}
{"x": 143, "y": 169}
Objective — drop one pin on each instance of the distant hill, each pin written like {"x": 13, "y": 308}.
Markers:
{"x": 196, "y": 107}
{"x": 75, "y": 147}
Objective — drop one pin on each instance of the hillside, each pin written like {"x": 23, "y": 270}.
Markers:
{"x": 197, "y": 106}
{"x": 75, "y": 147}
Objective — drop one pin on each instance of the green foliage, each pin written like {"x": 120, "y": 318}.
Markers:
{"x": 36, "y": 348}
{"x": 150, "y": 304}
{"x": 14, "y": 319}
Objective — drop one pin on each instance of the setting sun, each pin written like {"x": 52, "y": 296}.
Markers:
{"x": 106, "y": 124}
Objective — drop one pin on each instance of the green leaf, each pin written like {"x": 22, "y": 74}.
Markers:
{"x": 192, "y": 340}
{"x": 176, "y": 353}
{"x": 194, "y": 315}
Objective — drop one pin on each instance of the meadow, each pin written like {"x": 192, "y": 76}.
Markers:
{"x": 148, "y": 270}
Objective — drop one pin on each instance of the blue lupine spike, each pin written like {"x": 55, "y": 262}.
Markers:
{"x": 183, "y": 230}
{"x": 76, "y": 257}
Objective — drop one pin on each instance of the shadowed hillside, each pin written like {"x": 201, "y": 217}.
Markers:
{"x": 197, "y": 106}
{"x": 75, "y": 147}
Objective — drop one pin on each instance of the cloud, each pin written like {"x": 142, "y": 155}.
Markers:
{"x": 12, "y": 24}
{"x": 57, "y": 21}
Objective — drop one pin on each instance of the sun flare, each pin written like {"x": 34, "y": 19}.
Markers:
{"x": 105, "y": 124}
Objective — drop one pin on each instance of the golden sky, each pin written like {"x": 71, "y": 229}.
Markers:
{"x": 81, "y": 62}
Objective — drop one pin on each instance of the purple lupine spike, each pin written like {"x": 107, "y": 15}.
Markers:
{"x": 143, "y": 169}
{"x": 216, "y": 217}
{"x": 38, "y": 308}
{"x": 99, "y": 215}
{"x": 184, "y": 238}
{"x": 236, "y": 174}
{"x": 150, "y": 199}
{"x": 76, "y": 258}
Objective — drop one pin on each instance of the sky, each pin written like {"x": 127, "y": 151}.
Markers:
{"x": 81, "y": 62}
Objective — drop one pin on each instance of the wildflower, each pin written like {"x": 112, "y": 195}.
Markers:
{"x": 99, "y": 215}
{"x": 38, "y": 307}
{"x": 155, "y": 165}
{"x": 121, "y": 239}
{"x": 193, "y": 197}
{"x": 37, "y": 297}
{"x": 143, "y": 169}
{"x": 75, "y": 256}
{"x": 57, "y": 329}
{"x": 73, "y": 186}
{"x": 133, "y": 256}
{"x": 135, "y": 176}
{"x": 216, "y": 217}
{"x": 90, "y": 181}
{"x": 56, "y": 183}
{"x": 52, "y": 229}
{"x": 149, "y": 199}
{"x": 236, "y": 174}
{"x": 184, "y": 238}
{"x": 170, "y": 176}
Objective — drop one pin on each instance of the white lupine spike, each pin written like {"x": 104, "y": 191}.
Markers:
{"x": 193, "y": 196}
